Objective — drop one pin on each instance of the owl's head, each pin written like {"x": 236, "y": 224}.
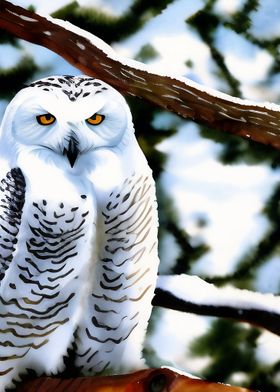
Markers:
{"x": 66, "y": 117}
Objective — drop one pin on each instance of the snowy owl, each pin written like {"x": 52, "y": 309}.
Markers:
{"x": 78, "y": 231}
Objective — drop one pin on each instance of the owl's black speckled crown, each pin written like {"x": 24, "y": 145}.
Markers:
{"x": 73, "y": 86}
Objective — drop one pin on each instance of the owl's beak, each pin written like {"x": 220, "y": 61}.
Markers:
{"x": 72, "y": 151}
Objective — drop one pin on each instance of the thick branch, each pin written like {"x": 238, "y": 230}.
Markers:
{"x": 191, "y": 294}
{"x": 260, "y": 122}
{"x": 163, "y": 379}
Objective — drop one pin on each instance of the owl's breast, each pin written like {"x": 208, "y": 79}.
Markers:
{"x": 123, "y": 280}
{"x": 55, "y": 240}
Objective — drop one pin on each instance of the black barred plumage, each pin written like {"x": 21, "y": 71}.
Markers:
{"x": 12, "y": 189}
{"x": 70, "y": 86}
{"x": 78, "y": 231}
{"x": 127, "y": 219}
{"x": 52, "y": 239}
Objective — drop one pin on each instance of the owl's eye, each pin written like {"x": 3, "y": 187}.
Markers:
{"x": 96, "y": 119}
{"x": 45, "y": 119}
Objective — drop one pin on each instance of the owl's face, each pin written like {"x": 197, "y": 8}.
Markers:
{"x": 68, "y": 117}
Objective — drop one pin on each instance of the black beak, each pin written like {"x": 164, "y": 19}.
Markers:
{"x": 72, "y": 151}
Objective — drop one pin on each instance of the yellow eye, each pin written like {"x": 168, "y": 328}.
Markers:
{"x": 45, "y": 119}
{"x": 95, "y": 119}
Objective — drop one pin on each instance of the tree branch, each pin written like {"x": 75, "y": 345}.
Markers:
{"x": 163, "y": 379}
{"x": 193, "y": 295}
{"x": 260, "y": 122}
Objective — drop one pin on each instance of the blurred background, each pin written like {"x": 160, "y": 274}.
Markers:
{"x": 218, "y": 194}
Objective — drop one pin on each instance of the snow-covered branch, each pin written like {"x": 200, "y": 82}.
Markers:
{"x": 260, "y": 122}
{"x": 193, "y": 295}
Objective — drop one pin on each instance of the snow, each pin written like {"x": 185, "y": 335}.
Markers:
{"x": 169, "y": 251}
{"x": 195, "y": 290}
{"x": 227, "y": 6}
{"x": 229, "y": 198}
{"x": 112, "y": 7}
{"x": 241, "y": 54}
{"x": 173, "y": 332}
{"x": 268, "y": 348}
{"x": 181, "y": 372}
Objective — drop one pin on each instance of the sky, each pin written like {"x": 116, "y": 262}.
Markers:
{"x": 231, "y": 197}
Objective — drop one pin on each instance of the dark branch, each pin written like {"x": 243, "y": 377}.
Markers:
{"x": 260, "y": 318}
{"x": 261, "y": 310}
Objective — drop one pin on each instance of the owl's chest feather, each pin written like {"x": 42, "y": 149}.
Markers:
{"x": 55, "y": 241}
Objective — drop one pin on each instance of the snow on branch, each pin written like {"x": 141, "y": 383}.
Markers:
{"x": 193, "y": 295}
{"x": 257, "y": 121}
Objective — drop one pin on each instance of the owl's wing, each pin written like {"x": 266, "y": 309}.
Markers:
{"x": 112, "y": 331}
{"x": 12, "y": 195}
